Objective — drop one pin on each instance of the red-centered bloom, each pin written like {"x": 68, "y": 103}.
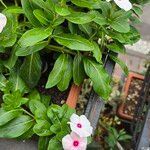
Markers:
{"x": 74, "y": 142}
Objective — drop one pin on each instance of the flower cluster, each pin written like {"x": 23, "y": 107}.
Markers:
{"x": 3, "y": 21}
{"x": 81, "y": 129}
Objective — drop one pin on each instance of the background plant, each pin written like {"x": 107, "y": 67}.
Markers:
{"x": 78, "y": 32}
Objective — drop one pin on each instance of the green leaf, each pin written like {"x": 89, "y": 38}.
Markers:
{"x": 30, "y": 70}
{"x": 67, "y": 75}
{"x": 99, "y": 19}
{"x": 56, "y": 74}
{"x": 28, "y": 8}
{"x": 88, "y": 4}
{"x": 121, "y": 63}
{"x": 78, "y": 69}
{"x": 44, "y": 5}
{"x": 24, "y": 51}
{"x": 43, "y": 143}
{"x": 14, "y": 10}
{"x": 42, "y": 128}
{"x": 86, "y": 28}
{"x": 62, "y": 10}
{"x": 120, "y": 22}
{"x": 10, "y": 63}
{"x": 41, "y": 16}
{"x": 3, "y": 81}
{"x": 55, "y": 128}
{"x": 53, "y": 143}
{"x": 35, "y": 105}
{"x": 54, "y": 113}
{"x": 13, "y": 100}
{"x": 6, "y": 116}
{"x": 17, "y": 82}
{"x": 116, "y": 47}
{"x": 80, "y": 17}
{"x": 34, "y": 36}
{"x": 16, "y": 127}
{"x": 100, "y": 78}
{"x": 97, "y": 52}
{"x": 74, "y": 42}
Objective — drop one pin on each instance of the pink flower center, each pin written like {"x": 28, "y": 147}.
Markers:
{"x": 75, "y": 143}
{"x": 79, "y": 125}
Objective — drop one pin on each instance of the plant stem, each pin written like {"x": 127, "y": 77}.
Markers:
{"x": 60, "y": 49}
{"x": 3, "y": 3}
{"x": 27, "y": 113}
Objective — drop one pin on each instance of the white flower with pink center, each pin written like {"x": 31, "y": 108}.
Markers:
{"x": 124, "y": 4}
{"x": 80, "y": 125}
{"x": 74, "y": 142}
{"x": 3, "y": 21}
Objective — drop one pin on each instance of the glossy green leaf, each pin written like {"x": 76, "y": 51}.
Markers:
{"x": 99, "y": 77}
{"x": 43, "y": 143}
{"x": 24, "y": 51}
{"x": 62, "y": 10}
{"x": 86, "y": 28}
{"x": 97, "y": 52}
{"x": 100, "y": 19}
{"x": 15, "y": 10}
{"x": 88, "y": 4}
{"x": 35, "y": 105}
{"x": 41, "y": 16}
{"x": 6, "y": 116}
{"x": 13, "y": 101}
{"x": 33, "y": 36}
{"x": 10, "y": 63}
{"x": 74, "y": 42}
{"x": 121, "y": 63}
{"x": 17, "y": 82}
{"x": 42, "y": 128}
{"x": 16, "y": 127}
{"x": 116, "y": 47}
{"x": 57, "y": 72}
{"x": 78, "y": 69}
{"x": 28, "y": 8}
{"x": 44, "y": 5}
{"x": 80, "y": 17}
{"x": 120, "y": 22}
{"x": 30, "y": 70}
{"x": 53, "y": 143}
{"x": 55, "y": 128}
{"x": 67, "y": 75}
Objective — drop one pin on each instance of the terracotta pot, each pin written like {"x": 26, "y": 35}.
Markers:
{"x": 120, "y": 112}
{"x": 73, "y": 96}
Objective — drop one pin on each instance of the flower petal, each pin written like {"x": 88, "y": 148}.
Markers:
{"x": 3, "y": 21}
{"x": 74, "y": 118}
{"x": 124, "y": 4}
{"x": 67, "y": 142}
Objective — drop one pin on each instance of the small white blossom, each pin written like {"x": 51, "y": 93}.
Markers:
{"x": 124, "y": 4}
{"x": 3, "y": 22}
{"x": 80, "y": 125}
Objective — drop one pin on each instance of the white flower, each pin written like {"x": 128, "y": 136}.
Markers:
{"x": 74, "y": 142}
{"x": 3, "y": 21}
{"x": 124, "y": 4}
{"x": 80, "y": 125}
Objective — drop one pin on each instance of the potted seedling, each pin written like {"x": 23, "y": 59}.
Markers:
{"x": 131, "y": 91}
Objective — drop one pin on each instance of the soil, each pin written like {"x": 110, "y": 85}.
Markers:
{"x": 57, "y": 97}
{"x": 133, "y": 96}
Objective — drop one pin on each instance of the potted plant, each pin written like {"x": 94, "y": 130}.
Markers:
{"x": 131, "y": 91}
{"x": 52, "y": 43}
